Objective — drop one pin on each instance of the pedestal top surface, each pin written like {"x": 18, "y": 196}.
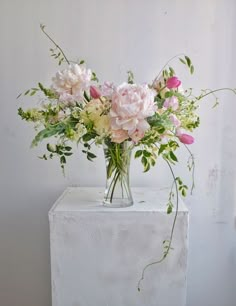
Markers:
{"x": 89, "y": 199}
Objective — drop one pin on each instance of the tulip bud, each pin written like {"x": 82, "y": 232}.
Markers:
{"x": 173, "y": 82}
{"x": 94, "y": 92}
{"x": 186, "y": 139}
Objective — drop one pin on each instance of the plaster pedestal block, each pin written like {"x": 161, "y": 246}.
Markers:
{"x": 98, "y": 253}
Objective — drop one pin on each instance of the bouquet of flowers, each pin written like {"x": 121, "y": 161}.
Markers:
{"x": 153, "y": 119}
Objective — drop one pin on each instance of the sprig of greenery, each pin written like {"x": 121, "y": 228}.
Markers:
{"x": 167, "y": 243}
{"x": 89, "y": 154}
{"x": 61, "y": 150}
{"x": 187, "y": 61}
{"x": 60, "y": 55}
{"x": 50, "y": 130}
{"x": 167, "y": 63}
{"x": 148, "y": 157}
{"x": 32, "y": 91}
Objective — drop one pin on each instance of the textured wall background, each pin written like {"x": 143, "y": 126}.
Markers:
{"x": 113, "y": 37}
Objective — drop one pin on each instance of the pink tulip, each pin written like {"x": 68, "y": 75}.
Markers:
{"x": 186, "y": 139}
{"x": 173, "y": 82}
{"x": 94, "y": 92}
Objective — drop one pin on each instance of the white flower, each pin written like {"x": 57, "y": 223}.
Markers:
{"x": 71, "y": 83}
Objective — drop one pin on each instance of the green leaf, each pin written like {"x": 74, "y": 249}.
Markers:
{"x": 43, "y": 157}
{"x": 40, "y": 86}
{"x": 147, "y": 168}
{"x": 87, "y": 137}
{"x": 161, "y": 129}
{"x": 146, "y": 153}
{"x": 153, "y": 162}
{"x": 179, "y": 181}
{"x": 94, "y": 77}
{"x": 169, "y": 209}
{"x": 188, "y": 60}
{"x": 68, "y": 153}
{"x": 33, "y": 93}
{"x": 169, "y": 94}
{"x": 91, "y": 155}
{"x": 63, "y": 159}
{"x": 138, "y": 153}
{"x": 86, "y": 96}
{"x": 144, "y": 161}
{"x": 182, "y": 61}
{"x": 130, "y": 77}
{"x": 173, "y": 157}
{"x": 191, "y": 69}
{"x": 172, "y": 72}
{"x": 48, "y": 132}
{"x": 162, "y": 148}
{"x": 67, "y": 148}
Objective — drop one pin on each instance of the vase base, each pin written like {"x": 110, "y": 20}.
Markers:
{"x": 117, "y": 203}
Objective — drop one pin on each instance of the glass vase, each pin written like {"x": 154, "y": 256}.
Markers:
{"x": 117, "y": 158}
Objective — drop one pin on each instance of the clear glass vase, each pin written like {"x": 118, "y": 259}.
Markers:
{"x": 117, "y": 158}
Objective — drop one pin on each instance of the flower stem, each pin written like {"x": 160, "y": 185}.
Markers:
{"x": 42, "y": 27}
{"x": 167, "y": 251}
{"x": 215, "y": 90}
{"x": 165, "y": 67}
{"x": 114, "y": 185}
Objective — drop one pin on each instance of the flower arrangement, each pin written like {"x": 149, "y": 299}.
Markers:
{"x": 154, "y": 119}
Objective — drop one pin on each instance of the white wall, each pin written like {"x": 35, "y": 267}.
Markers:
{"x": 113, "y": 37}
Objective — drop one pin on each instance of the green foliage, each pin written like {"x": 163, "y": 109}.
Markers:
{"x": 60, "y": 150}
{"x": 148, "y": 157}
{"x": 182, "y": 187}
{"x": 187, "y": 61}
{"x": 89, "y": 136}
{"x": 130, "y": 77}
{"x": 47, "y": 91}
{"x": 90, "y": 155}
{"x": 94, "y": 77}
{"x": 57, "y": 55}
{"x": 49, "y": 131}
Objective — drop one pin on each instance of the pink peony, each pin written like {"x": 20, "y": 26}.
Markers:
{"x": 71, "y": 82}
{"x": 173, "y": 82}
{"x": 119, "y": 136}
{"x": 186, "y": 139}
{"x": 171, "y": 102}
{"x": 131, "y": 105}
{"x": 94, "y": 92}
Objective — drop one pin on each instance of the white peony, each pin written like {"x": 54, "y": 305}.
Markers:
{"x": 71, "y": 83}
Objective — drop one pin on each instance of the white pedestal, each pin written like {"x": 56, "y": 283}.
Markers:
{"x": 98, "y": 253}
